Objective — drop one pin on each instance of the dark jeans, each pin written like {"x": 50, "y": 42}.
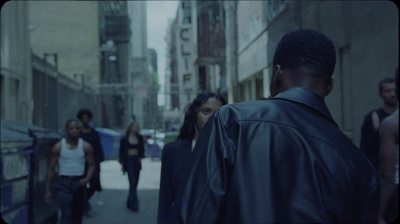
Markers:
{"x": 71, "y": 199}
{"x": 94, "y": 183}
{"x": 133, "y": 169}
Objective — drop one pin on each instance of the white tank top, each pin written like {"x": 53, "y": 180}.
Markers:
{"x": 71, "y": 162}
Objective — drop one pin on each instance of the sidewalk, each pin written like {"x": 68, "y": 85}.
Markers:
{"x": 109, "y": 205}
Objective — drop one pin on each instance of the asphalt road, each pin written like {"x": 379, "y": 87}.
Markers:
{"x": 109, "y": 205}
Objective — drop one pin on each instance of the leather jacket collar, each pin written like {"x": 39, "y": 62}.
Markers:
{"x": 306, "y": 97}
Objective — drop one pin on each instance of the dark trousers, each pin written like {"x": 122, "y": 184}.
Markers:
{"x": 94, "y": 183}
{"x": 71, "y": 199}
{"x": 133, "y": 169}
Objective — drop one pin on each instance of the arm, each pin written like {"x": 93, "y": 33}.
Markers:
{"x": 201, "y": 196}
{"x": 141, "y": 150}
{"x": 99, "y": 147}
{"x": 165, "y": 199}
{"x": 55, "y": 153}
{"x": 388, "y": 159}
{"x": 122, "y": 153}
{"x": 88, "y": 149}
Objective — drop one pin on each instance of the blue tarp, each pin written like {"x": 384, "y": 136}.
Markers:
{"x": 110, "y": 142}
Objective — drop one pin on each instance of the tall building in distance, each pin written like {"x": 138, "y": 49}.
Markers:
{"x": 138, "y": 64}
{"x": 115, "y": 87}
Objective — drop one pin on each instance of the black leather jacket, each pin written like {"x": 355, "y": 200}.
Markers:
{"x": 282, "y": 160}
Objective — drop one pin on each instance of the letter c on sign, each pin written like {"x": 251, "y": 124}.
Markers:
{"x": 184, "y": 37}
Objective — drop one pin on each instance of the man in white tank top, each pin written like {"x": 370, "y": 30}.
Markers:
{"x": 72, "y": 154}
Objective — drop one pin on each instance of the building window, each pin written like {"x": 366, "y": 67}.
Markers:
{"x": 186, "y": 78}
{"x": 187, "y": 18}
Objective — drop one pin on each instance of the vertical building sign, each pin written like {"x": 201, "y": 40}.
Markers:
{"x": 184, "y": 62}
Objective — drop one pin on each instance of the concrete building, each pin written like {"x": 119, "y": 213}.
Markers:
{"x": 185, "y": 54}
{"x": 365, "y": 34}
{"x": 70, "y": 30}
{"x": 65, "y": 60}
{"x": 252, "y": 50}
{"x": 154, "y": 112}
{"x": 172, "y": 117}
{"x": 210, "y": 45}
{"x": 16, "y": 70}
{"x": 115, "y": 87}
{"x": 138, "y": 63}
{"x": 196, "y": 53}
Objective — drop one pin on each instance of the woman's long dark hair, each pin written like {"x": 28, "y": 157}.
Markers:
{"x": 188, "y": 129}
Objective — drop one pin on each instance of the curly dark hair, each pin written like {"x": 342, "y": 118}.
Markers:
{"x": 188, "y": 129}
{"x": 84, "y": 111}
{"x": 306, "y": 48}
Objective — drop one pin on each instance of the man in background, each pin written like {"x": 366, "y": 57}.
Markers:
{"x": 389, "y": 164}
{"x": 72, "y": 154}
{"x": 90, "y": 135}
{"x": 369, "y": 144}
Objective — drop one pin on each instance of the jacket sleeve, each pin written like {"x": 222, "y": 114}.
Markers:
{"x": 165, "y": 199}
{"x": 202, "y": 193}
{"x": 99, "y": 147}
{"x": 141, "y": 150}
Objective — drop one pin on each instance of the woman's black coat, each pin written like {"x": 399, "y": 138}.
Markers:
{"x": 175, "y": 159}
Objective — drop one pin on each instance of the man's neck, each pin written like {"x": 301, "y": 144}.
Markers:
{"x": 389, "y": 108}
{"x": 71, "y": 140}
{"x": 86, "y": 129}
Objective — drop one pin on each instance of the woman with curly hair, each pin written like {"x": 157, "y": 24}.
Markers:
{"x": 131, "y": 152}
{"x": 176, "y": 154}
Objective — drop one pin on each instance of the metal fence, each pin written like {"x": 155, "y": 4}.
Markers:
{"x": 58, "y": 97}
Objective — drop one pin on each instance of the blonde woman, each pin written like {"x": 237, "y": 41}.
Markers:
{"x": 131, "y": 152}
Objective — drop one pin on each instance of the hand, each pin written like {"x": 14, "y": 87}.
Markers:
{"x": 83, "y": 182}
{"x": 47, "y": 197}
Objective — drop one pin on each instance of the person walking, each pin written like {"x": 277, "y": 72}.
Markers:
{"x": 71, "y": 154}
{"x": 369, "y": 143}
{"x": 176, "y": 154}
{"x": 90, "y": 135}
{"x": 131, "y": 152}
{"x": 282, "y": 160}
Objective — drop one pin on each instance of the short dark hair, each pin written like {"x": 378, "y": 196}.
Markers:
{"x": 84, "y": 111}
{"x": 69, "y": 121}
{"x": 188, "y": 129}
{"x": 385, "y": 80}
{"x": 306, "y": 48}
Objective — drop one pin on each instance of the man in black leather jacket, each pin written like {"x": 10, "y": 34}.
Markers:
{"x": 282, "y": 160}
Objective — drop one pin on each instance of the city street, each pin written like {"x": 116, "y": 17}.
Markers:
{"x": 109, "y": 205}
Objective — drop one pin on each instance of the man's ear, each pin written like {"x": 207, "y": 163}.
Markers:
{"x": 330, "y": 86}
{"x": 277, "y": 77}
